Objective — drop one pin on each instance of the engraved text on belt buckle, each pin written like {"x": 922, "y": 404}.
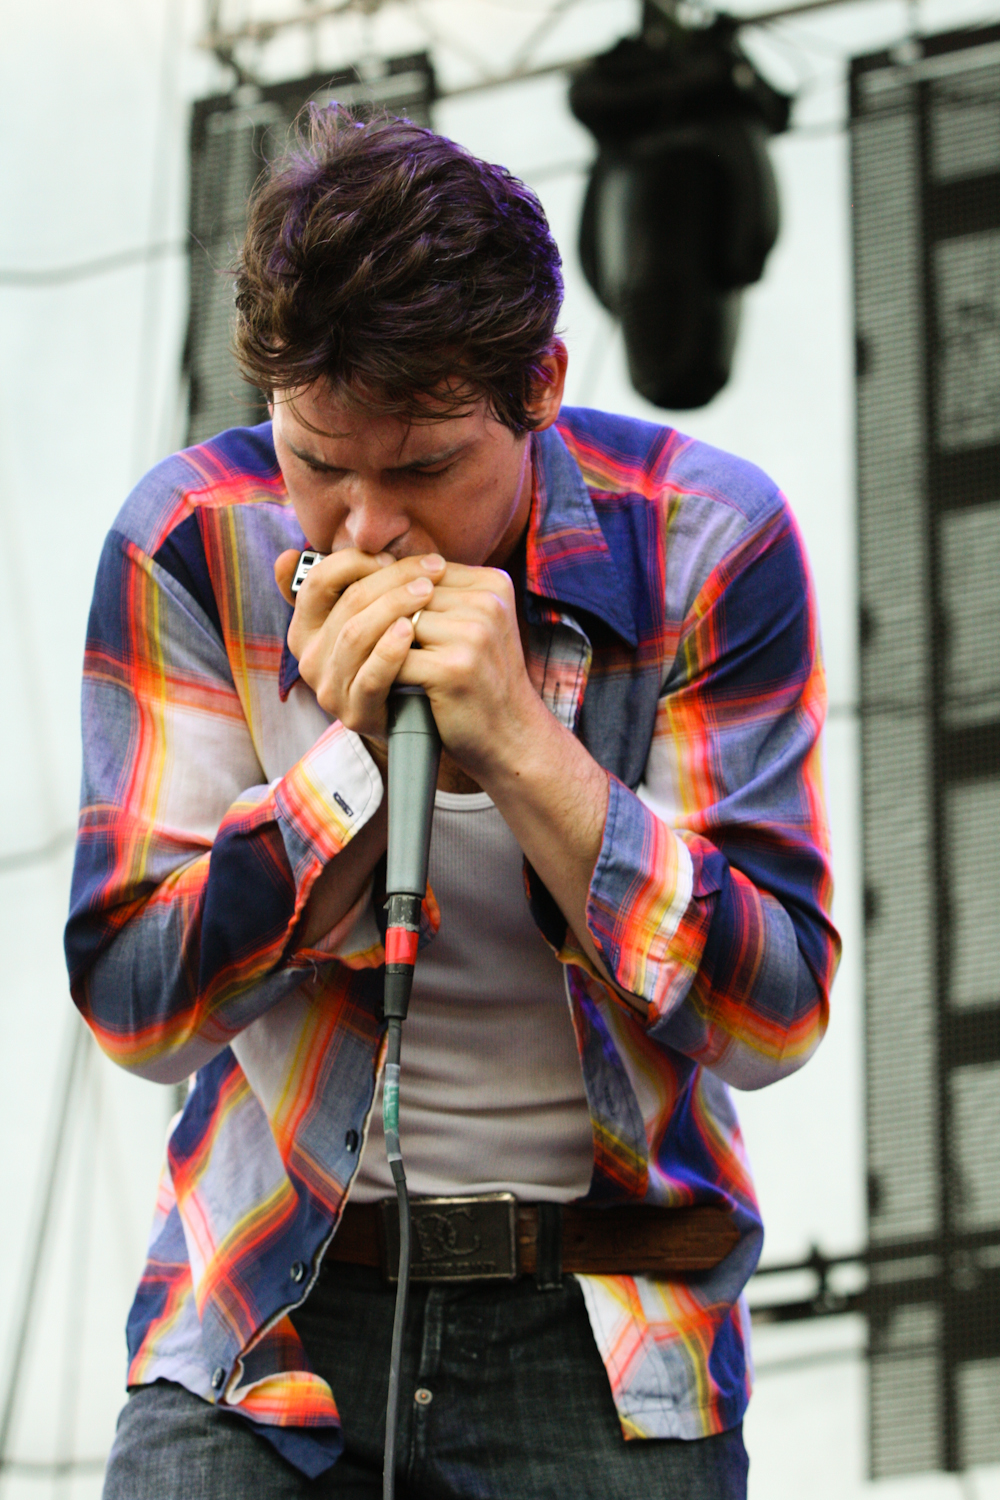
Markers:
{"x": 454, "y": 1239}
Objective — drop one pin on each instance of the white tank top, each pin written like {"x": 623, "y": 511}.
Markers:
{"x": 491, "y": 1094}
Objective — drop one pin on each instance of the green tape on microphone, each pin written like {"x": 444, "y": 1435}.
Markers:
{"x": 390, "y": 1112}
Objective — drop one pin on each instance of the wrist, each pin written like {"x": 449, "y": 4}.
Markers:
{"x": 519, "y": 742}
{"x": 378, "y": 748}
{"x": 542, "y": 764}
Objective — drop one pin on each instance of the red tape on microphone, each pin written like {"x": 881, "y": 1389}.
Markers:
{"x": 401, "y": 946}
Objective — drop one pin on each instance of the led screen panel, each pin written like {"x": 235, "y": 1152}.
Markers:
{"x": 233, "y": 136}
{"x": 926, "y": 207}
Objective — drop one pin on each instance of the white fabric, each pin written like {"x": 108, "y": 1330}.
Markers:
{"x": 491, "y": 1093}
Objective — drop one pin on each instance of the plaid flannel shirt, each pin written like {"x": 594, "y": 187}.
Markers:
{"x": 672, "y": 625}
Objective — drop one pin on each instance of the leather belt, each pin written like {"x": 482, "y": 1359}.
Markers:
{"x": 493, "y": 1236}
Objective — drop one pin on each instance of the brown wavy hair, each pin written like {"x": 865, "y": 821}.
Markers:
{"x": 393, "y": 263}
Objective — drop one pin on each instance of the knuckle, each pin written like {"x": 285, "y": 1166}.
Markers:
{"x": 309, "y": 667}
{"x": 463, "y": 663}
{"x": 313, "y": 580}
{"x": 299, "y": 634}
{"x": 350, "y": 632}
{"x": 351, "y": 596}
{"x": 387, "y": 649}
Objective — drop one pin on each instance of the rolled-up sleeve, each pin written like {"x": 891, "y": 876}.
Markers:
{"x": 710, "y": 898}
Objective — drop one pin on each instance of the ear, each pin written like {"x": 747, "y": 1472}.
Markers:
{"x": 547, "y": 396}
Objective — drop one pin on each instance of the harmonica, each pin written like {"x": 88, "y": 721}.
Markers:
{"x": 306, "y": 561}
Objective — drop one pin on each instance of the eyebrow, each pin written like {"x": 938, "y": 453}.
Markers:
{"x": 428, "y": 461}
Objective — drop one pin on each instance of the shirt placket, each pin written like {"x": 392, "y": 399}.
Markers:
{"x": 558, "y": 660}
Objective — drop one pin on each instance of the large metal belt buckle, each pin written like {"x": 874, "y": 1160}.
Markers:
{"x": 454, "y": 1239}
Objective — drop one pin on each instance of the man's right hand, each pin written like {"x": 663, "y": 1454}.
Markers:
{"x": 351, "y": 629}
{"x": 346, "y": 635}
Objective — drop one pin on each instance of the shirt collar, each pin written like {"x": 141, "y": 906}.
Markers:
{"x": 288, "y": 671}
{"x": 568, "y": 560}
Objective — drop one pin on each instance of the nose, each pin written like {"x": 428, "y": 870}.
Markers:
{"x": 374, "y": 519}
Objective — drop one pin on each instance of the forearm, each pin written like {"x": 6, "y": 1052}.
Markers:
{"x": 143, "y": 1014}
{"x": 176, "y": 958}
{"x": 554, "y": 798}
{"x": 729, "y": 975}
{"x": 138, "y": 997}
{"x": 343, "y": 880}
{"x": 711, "y": 962}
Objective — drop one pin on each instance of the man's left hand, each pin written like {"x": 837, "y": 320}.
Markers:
{"x": 472, "y": 667}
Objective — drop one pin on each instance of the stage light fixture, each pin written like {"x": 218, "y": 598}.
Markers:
{"x": 681, "y": 209}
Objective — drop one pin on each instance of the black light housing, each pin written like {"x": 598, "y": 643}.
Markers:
{"x": 681, "y": 210}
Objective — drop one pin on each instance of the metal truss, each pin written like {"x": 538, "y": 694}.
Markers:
{"x": 239, "y": 44}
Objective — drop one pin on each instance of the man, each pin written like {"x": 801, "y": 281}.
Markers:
{"x": 629, "y": 873}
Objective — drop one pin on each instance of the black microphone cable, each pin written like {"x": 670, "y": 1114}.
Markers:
{"x": 414, "y": 753}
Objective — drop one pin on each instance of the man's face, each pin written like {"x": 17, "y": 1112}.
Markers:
{"x": 460, "y": 486}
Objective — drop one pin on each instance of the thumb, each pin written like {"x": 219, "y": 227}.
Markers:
{"x": 284, "y": 571}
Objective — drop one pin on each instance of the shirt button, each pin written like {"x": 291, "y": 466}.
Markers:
{"x": 351, "y": 1141}
{"x": 298, "y": 1271}
{"x": 422, "y": 1396}
{"x": 218, "y": 1378}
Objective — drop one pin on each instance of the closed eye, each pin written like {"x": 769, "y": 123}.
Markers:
{"x": 316, "y": 464}
{"x": 432, "y": 468}
{"x": 420, "y": 472}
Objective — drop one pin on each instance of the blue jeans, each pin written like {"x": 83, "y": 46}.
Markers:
{"x": 504, "y": 1395}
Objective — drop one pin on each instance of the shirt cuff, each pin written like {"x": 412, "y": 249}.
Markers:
{"x": 640, "y": 902}
{"x": 324, "y": 800}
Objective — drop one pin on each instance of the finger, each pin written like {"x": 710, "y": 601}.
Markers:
{"x": 496, "y": 608}
{"x": 335, "y": 589}
{"x": 352, "y": 640}
{"x": 334, "y": 654}
{"x": 462, "y": 576}
{"x": 329, "y": 578}
{"x": 435, "y": 629}
{"x": 416, "y": 572}
{"x": 377, "y": 673}
{"x": 477, "y": 623}
{"x": 446, "y": 598}
{"x": 453, "y": 640}
{"x": 417, "y": 669}
{"x": 284, "y": 571}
